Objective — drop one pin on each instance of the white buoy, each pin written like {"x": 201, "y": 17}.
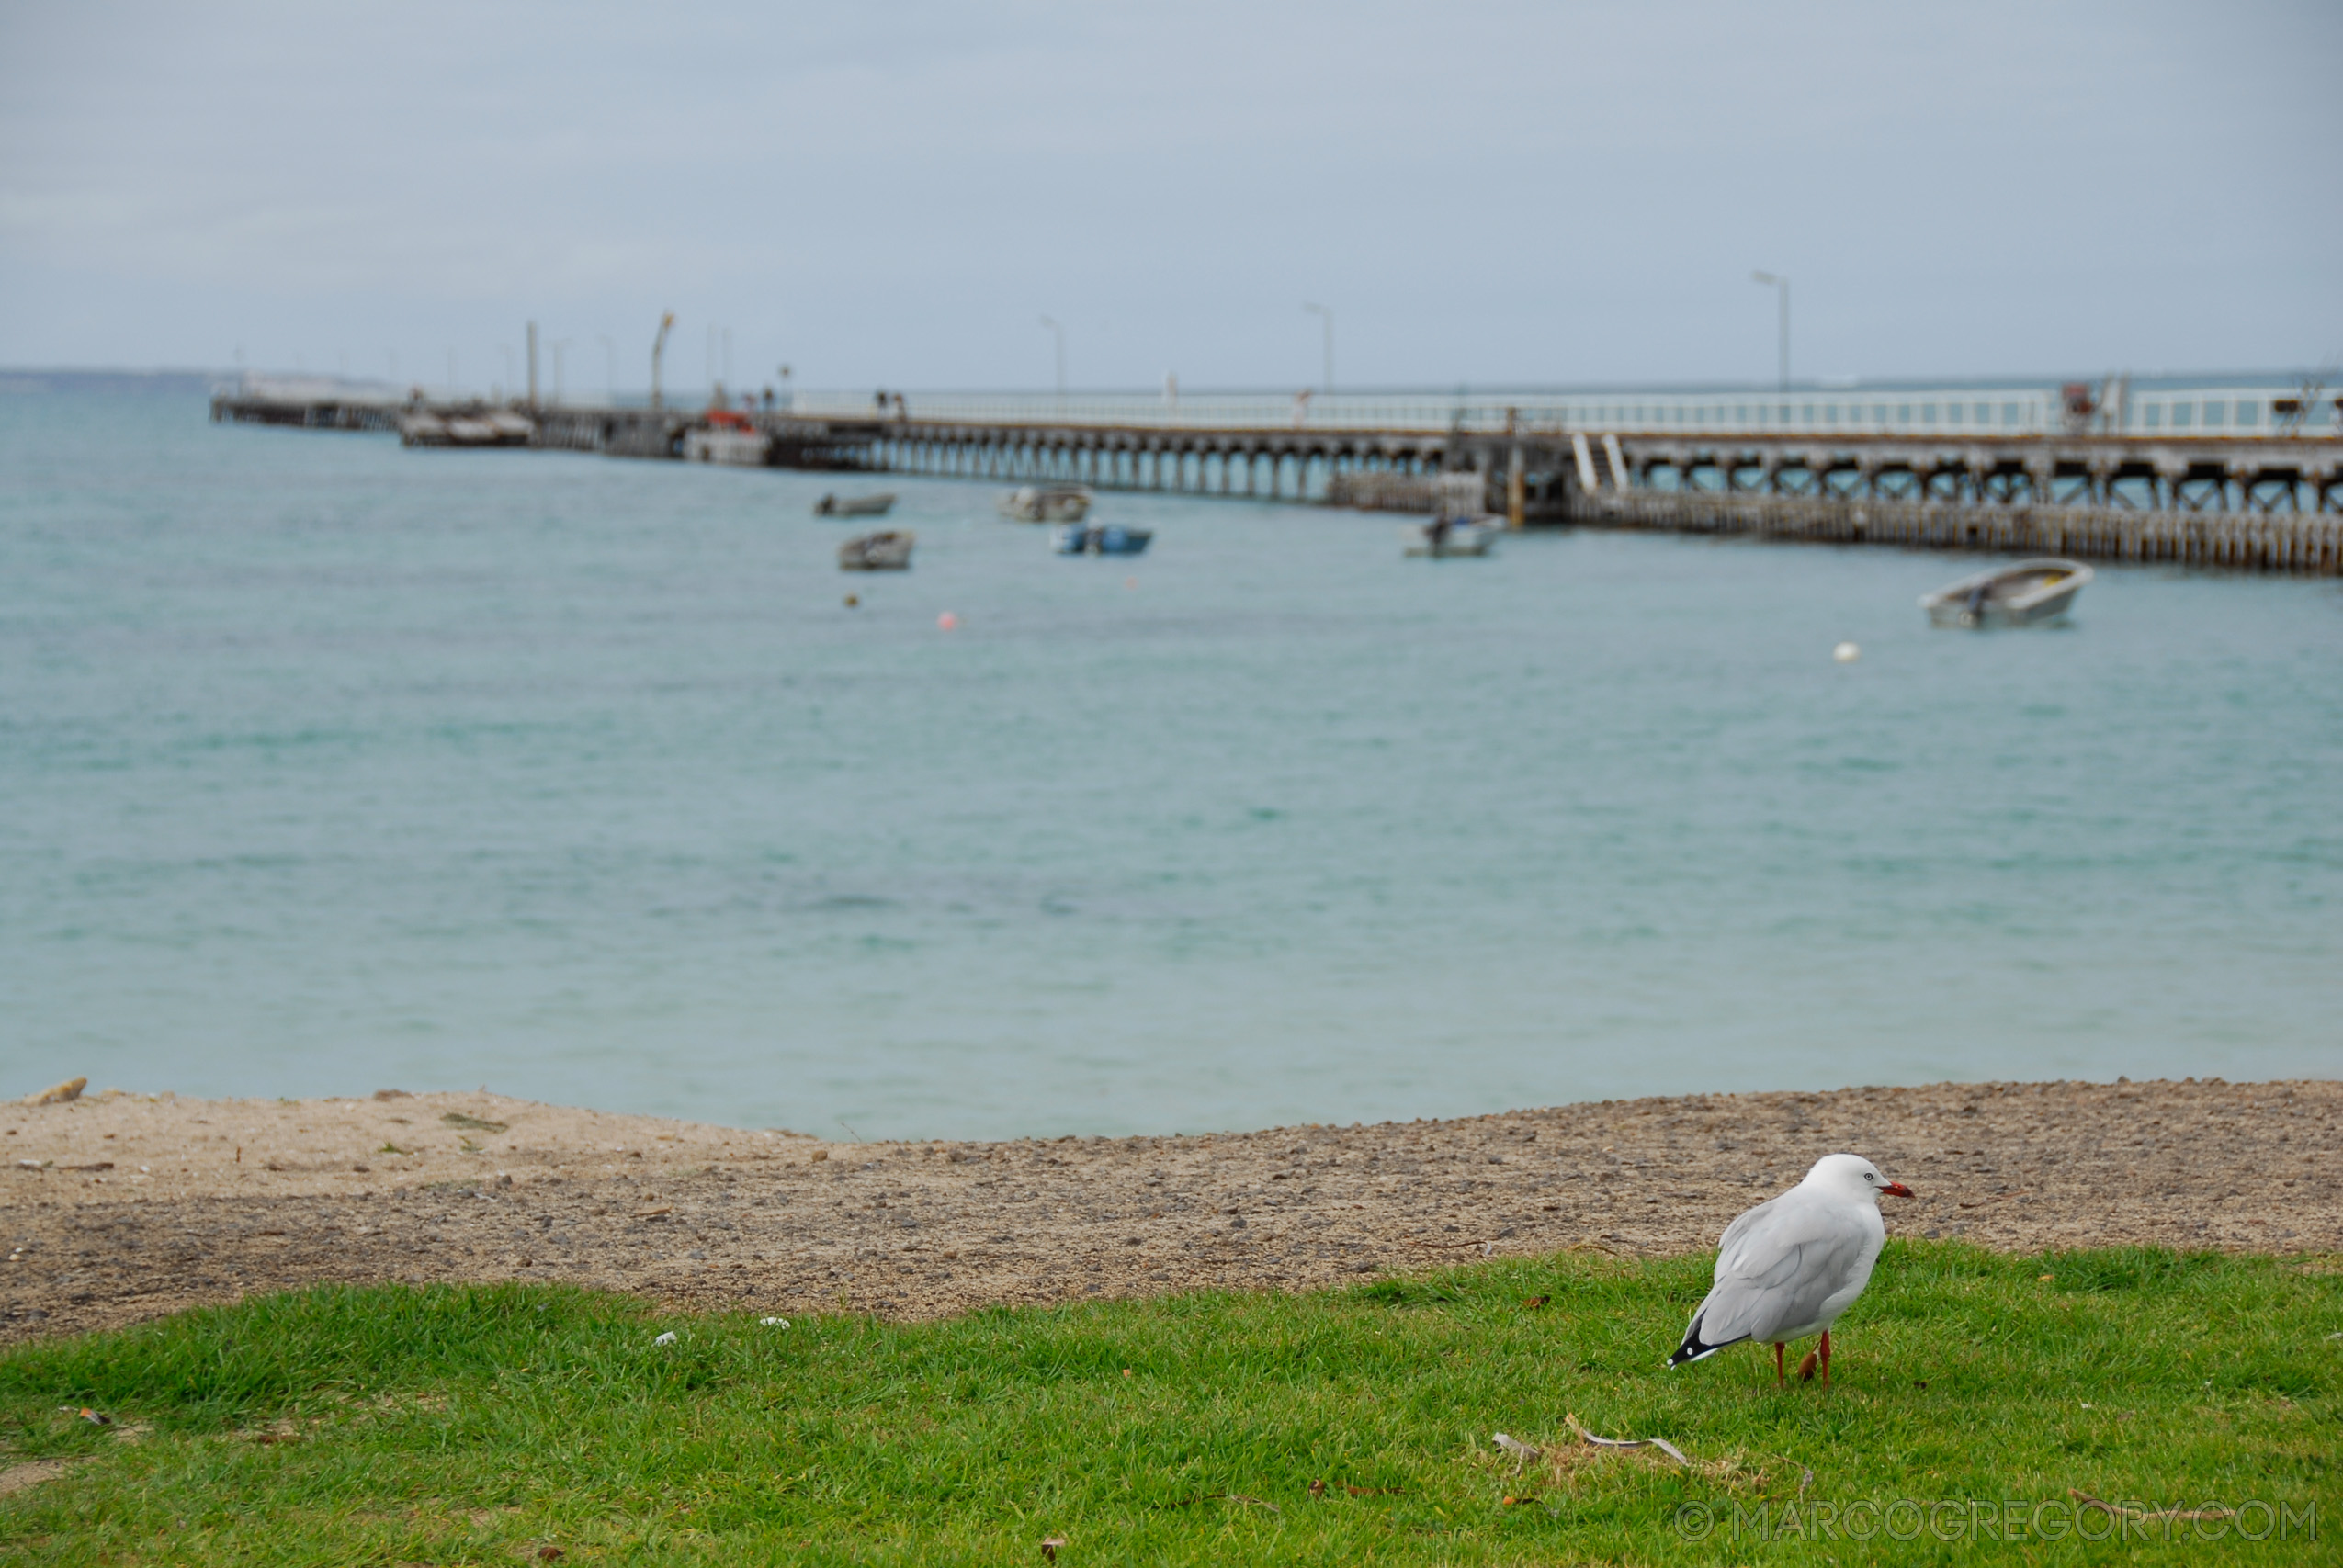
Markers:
{"x": 1846, "y": 653}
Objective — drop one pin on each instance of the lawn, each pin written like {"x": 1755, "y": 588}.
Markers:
{"x": 1976, "y": 1396}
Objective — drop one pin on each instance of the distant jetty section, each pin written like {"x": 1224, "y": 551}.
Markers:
{"x": 2242, "y": 478}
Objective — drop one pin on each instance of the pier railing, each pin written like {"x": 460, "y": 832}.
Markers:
{"x": 2180, "y": 409}
{"x": 2175, "y": 409}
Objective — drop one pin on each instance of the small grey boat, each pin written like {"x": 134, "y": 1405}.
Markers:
{"x": 2025, "y": 595}
{"x": 853, "y": 505}
{"x": 1046, "y": 503}
{"x": 1445, "y": 536}
{"x": 890, "y": 551}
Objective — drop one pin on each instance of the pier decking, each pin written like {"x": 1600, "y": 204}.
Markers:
{"x": 2269, "y": 500}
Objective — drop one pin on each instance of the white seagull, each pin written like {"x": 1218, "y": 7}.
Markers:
{"x": 1789, "y": 1267}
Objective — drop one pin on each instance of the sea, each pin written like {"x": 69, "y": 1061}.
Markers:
{"x": 327, "y": 766}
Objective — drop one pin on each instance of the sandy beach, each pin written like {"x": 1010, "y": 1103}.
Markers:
{"x": 120, "y": 1207}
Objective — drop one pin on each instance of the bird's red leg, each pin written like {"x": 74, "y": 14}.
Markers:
{"x": 1777, "y": 1363}
{"x": 1826, "y": 1358}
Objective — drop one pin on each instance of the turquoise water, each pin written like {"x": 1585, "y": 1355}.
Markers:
{"x": 328, "y": 766}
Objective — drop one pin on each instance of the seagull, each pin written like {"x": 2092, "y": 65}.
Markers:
{"x": 1789, "y": 1267}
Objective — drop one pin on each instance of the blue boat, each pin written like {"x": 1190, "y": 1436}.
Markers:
{"x": 1112, "y": 539}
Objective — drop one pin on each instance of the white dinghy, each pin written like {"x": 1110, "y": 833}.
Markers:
{"x": 2025, "y": 595}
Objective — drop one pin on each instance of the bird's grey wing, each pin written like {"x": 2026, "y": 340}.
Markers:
{"x": 1728, "y": 1245}
{"x": 1717, "y": 1321}
{"x": 1780, "y": 1270}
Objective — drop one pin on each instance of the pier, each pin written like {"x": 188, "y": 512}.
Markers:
{"x": 2257, "y": 486}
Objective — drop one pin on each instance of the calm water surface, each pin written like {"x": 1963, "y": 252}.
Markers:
{"x": 328, "y": 766}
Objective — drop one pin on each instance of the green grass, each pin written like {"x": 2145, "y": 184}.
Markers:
{"x": 450, "y": 1425}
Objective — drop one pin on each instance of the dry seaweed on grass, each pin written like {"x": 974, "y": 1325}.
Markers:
{"x": 1566, "y": 1464}
{"x": 1319, "y": 1489}
{"x": 1662, "y": 1444}
{"x": 1223, "y": 1497}
{"x": 473, "y": 1124}
{"x": 281, "y": 1430}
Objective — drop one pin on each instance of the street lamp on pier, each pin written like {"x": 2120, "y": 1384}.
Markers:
{"x": 1783, "y": 284}
{"x": 1060, "y": 332}
{"x": 1322, "y": 310}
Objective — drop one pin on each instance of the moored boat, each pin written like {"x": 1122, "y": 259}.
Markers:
{"x": 1046, "y": 503}
{"x": 1445, "y": 536}
{"x": 501, "y": 427}
{"x": 889, "y": 551}
{"x": 730, "y": 445}
{"x": 853, "y": 505}
{"x": 2026, "y": 594}
{"x": 1109, "y": 539}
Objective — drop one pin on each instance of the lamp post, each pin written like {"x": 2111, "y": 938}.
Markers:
{"x": 1327, "y": 388}
{"x": 1783, "y": 284}
{"x": 1061, "y": 333}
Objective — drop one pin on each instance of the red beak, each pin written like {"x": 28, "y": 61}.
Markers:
{"x": 1895, "y": 1189}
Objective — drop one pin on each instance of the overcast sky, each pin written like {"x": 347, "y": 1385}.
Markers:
{"x": 893, "y": 195}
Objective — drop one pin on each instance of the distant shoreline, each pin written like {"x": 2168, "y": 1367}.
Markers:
{"x": 175, "y": 383}
{"x": 126, "y": 1206}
